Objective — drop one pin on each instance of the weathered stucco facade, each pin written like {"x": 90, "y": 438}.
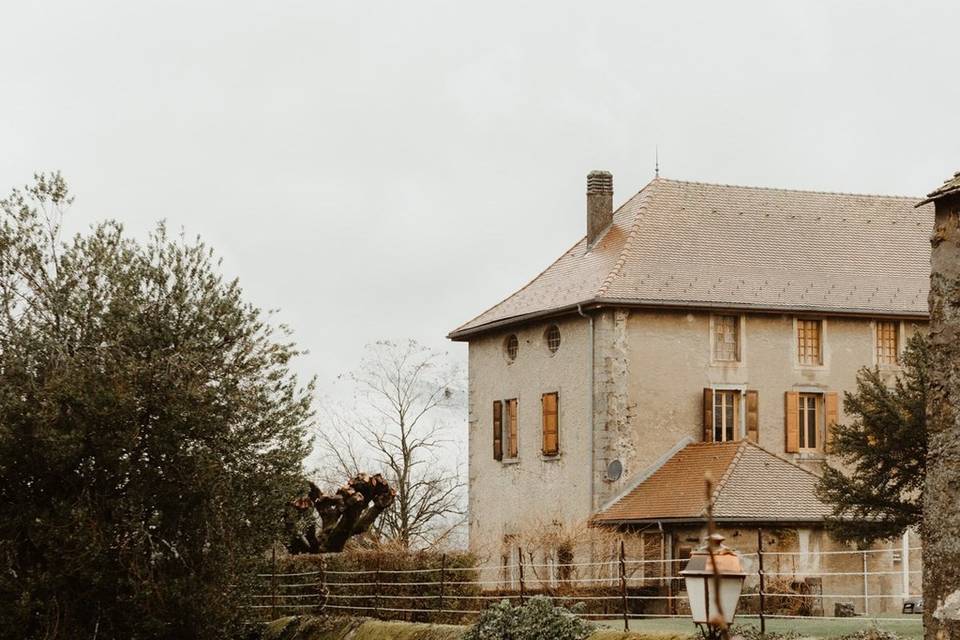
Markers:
{"x": 650, "y": 367}
{"x": 669, "y": 363}
{"x": 510, "y": 496}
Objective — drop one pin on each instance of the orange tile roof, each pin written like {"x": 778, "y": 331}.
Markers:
{"x": 751, "y": 484}
{"x": 704, "y": 245}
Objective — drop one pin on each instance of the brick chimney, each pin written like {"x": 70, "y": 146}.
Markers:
{"x": 599, "y": 204}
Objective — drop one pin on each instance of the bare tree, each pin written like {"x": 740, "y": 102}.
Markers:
{"x": 405, "y": 396}
{"x": 550, "y": 546}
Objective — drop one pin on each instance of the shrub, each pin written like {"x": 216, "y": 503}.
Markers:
{"x": 339, "y": 628}
{"x": 538, "y": 619}
{"x": 151, "y": 430}
{"x": 871, "y": 634}
{"x": 788, "y": 604}
{"x": 747, "y": 632}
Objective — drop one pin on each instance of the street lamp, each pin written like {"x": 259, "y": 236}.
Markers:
{"x": 713, "y": 592}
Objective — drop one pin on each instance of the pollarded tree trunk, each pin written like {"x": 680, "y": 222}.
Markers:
{"x": 348, "y": 512}
{"x": 941, "y": 495}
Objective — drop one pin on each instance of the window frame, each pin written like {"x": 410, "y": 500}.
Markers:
{"x": 803, "y": 398}
{"x": 739, "y": 326}
{"x": 878, "y": 335}
{"x": 722, "y": 400}
{"x": 798, "y": 324}
{"x": 506, "y": 348}
{"x": 552, "y": 351}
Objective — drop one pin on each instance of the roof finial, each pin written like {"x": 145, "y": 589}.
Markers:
{"x": 656, "y": 167}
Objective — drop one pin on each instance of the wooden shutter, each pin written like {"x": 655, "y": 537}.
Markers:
{"x": 831, "y": 415}
{"x": 551, "y": 434}
{"x": 497, "y": 430}
{"x": 753, "y": 416}
{"x": 512, "y": 417}
{"x": 708, "y": 414}
{"x": 792, "y": 421}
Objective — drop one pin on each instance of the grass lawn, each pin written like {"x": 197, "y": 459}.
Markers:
{"x": 905, "y": 626}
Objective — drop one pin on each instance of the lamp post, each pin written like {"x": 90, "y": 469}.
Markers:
{"x": 714, "y": 578}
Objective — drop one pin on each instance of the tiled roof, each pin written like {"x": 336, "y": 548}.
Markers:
{"x": 752, "y": 485}
{"x": 691, "y": 244}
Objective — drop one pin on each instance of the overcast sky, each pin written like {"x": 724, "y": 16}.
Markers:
{"x": 391, "y": 169}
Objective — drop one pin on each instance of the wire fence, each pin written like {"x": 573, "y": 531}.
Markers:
{"x": 780, "y": 584}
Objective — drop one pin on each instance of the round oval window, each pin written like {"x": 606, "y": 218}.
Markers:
{"x": 552, "y": 338}
{"x": 511, "y": 347}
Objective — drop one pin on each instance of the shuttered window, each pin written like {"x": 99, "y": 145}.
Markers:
{"x": 792, "y": 421}
{"x": 809, "y": 342}
{"x": 513, "y": 435}
{"x": 887, "y": 334}
{"x": 721, "y": 415}
{"x": 810, "y": 419}
{"x": 708, "y": 414}
{"x": 831, "y": 413}
{"x": 753, "y": 416}
{"x": 726, "y": 416}
{"x": 726, "y": 338}
{"x": 807, "y": 420}
{"x": 497, "y": 430}
{"x": 551, "y": 431}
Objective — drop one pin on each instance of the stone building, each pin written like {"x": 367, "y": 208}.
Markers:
{"x": 695, "y": 326}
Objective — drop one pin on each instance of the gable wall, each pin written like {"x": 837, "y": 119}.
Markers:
{"x": 510, "y": 497}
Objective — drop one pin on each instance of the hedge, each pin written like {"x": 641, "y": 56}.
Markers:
{"x": 375, "y": 589}
{"x": 382, "y": 589}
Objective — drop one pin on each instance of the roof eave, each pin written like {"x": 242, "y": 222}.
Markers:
{"x": 933, "y": 197}
{"x": 701, "y": 520}
{"x": 461, "y": 335}
{"x": 759, "y": 308}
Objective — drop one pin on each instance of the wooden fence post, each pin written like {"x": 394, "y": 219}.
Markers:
{"x": 520, "y": 556}
{"x": 323, "y": 591}
{"x": 376, "y": 592}
{"x": 443, "y": 572}
{"x": 866, "y": 588}
{"x": 763, "y": 620}
{"x": 273, "y": 583}
{"x": 623, "y": 586}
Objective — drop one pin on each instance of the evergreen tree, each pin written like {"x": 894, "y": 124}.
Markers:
{"x": 875, "y": 493}
{"x": 151, "y": 431}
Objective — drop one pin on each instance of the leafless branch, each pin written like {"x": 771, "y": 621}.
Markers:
{"x": 407, "y": 396}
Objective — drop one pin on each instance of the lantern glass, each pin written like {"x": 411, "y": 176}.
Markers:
{"x": 700, "y": 590}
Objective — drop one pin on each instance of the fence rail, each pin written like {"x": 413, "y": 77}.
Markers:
{"x": 619, "y": 588}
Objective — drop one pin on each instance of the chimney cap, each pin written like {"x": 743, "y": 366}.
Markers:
{"x": 600, "y": 182}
